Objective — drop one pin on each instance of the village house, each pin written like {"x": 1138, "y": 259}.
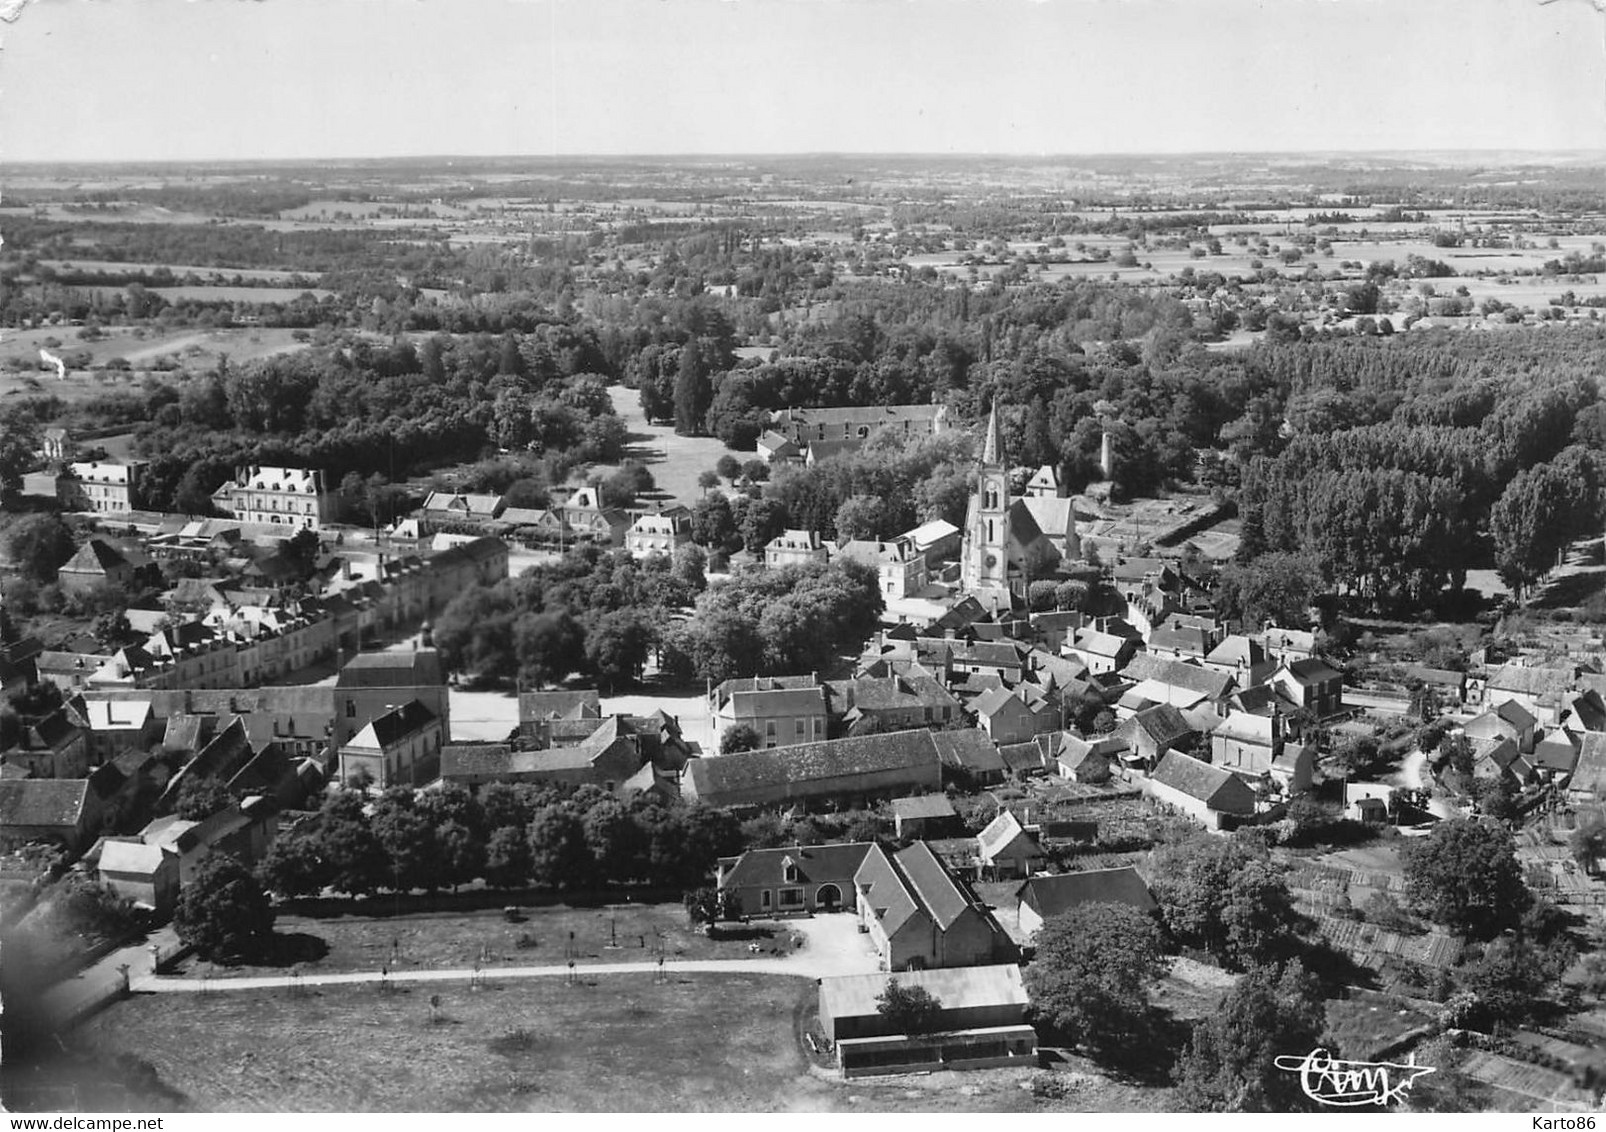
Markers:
{"x": 1313, "y": 684}
{"x": 781, "y": 710}
{"x": 1286, "y": 646}
{"x": 1243, "y": 658}
{"x": 891, "y": 703}
{"x": 842, "y": 772}
{"x": 1041, "y": 898}
{"x": 1541, "y": 691}
{"x": 1246, "y": 743}
{"x": 103, "y": 486}
{"x": 584, "y": 514}
{"x": 1215, "y": 798}
{"x": 561, "y": 718}
{"x": 854, "y": 423}
{"x": 1510, "y": 720}
{"x": 96, "y": 563}
{"x": 778, "y": 450}
{"x": 146, "y": 874}
{"x": 1087, "y": 760}
{"x": 659, "y": 532}
{"x": 981, "y": 1024}
{"x": 400, "y": 747}
{"x": 969, "y": 758}
{"x": 899, "y": 568}
{"x": 371, "y": 684}
{"x": 792, "y": 879}
{"x": 918, "y": 915}
{"x": 1150, "y": 733}
{"x": 1005, "y": 849}
{"x": 1588, "y": 784}
{"x": 66, "y": 811}
{"x": 295, "y": 497}
{"x": 1174, "y": 641}
{"x": 938, "y": 540}
{"x": 1101, "y": 651}
{"x": 794, "y": 548}
{"x": 1177, "y": 683}
{"x": 1015, "y": 715}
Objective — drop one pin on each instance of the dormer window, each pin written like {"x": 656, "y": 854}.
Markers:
{"x": 789, "y": 871}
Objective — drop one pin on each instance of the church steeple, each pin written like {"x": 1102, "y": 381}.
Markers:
{"x": 992, "y": 448}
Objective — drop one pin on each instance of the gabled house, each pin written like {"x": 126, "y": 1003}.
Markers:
{"x": 900, "y": 569}
{"x": 542, "y": 713}
{"x": 1588, "y": 785}
{"x": 463, "y": 507}
{"x": 1006, "y": 849}
{"x": 1312, "y": 683}
{"x": 1542, "y": 691}
{"x": 918, "y": 915}
{"x": 775, "y": 449}
{"x": 1150, "y": 733}
{"x": 923, "y": 816}
{"x": 794, "y": 547}
{"x": 1182, "y": 685}
{"x": 969, "y": 757}
{"x": 781, "y": 710}
{"x": 1243, "y": 658}
{"x": 399, "y": 748}
{"x": 1087, "y": 761}
{"x": 792, "y": 879}
{"x": 659, "y": 532}
{"x": 891, "y": 702}
{"x": 1288, "y": 645}
{"x": 1101, "y": 651}
{"x": 1215, "y": 798}
{"x": 66, "y": 811}
{"x": 1015, "y": 715}
{"x": 1509, "y": 719}
{"x": 1043, "y": 897}
{"x": 586, "y": 516}
{"x": 96, "y": 563}
{"x": 1246, "y": 743}
{"x": 1556, "y": 755}
{"x": 1172, "y": 641}
{"x": 146, "y": 874}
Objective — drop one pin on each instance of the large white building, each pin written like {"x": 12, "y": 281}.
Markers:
{"x": 294, "y": 497}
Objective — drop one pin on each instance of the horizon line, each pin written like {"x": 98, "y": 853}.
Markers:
{"x": 726, "y": 155}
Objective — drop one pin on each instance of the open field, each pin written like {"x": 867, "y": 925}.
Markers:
{"x": 116, "y": 267}
{"x": 207, "y": 293}
{"x": 191, "y": 349}
{"x": 675, "y": 461}
{"x": 609, "y": 1043}
{"x": 445, "y": 940}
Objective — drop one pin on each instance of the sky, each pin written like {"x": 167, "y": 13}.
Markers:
{"x": 196, "y": 80}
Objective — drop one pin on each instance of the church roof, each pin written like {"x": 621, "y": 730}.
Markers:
{"x": 992, "y": 447}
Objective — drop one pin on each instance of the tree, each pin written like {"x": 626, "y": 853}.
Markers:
{"x": 728, "y": 467}
{"x": 40, "y": 545}
{"x": 355, "y": 861}
{"x": 1229, "y": 1063}
{"x": 741, "y": 737}
{"x": 507, "y": 857}
{"x": 549, "y": 646}
{"x": 1507, "y": 981}
{"x": 712, "y": 524}
{"x": 1090, "y": 978}
{"x": 293, "y": 866}
{"x": 223, "y": 912}
{"x": 616, "y": 647}
{"x": 407, "y": 837}
{"x": 199, "y": 798}
{"x": 613, "y": 840}
{"x": 1276, "y": 588}
{"x": 112, "y": 629}
{"x": 708, "y": 905}
{"x": 693, "y": 389}
{"x": 1226, "y": 898}
{"x": 909, "y": 1010}
{"x": 1465, "y": 876}
{"x": 19, "y": 440}
{"x": 559, "y": 857}
{"x": 763, "y": 520}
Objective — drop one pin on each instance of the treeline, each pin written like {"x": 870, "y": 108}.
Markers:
{"x": 388, "y": 410}
{"x": 509, "y": 836}
{"x": 785, "y": 621}
{"x": 1403, "y": 459}
{"x": 592, "y": 612}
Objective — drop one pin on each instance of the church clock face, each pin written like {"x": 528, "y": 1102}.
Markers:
{"x": 992, "y": 561}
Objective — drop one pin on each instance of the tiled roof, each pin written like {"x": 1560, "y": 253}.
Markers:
{"x": 1537, "y": 682}
{"x": 936, "y": 887}
{"x": 1178, "y": 674}
{"x": 1589, "y": 776}
{"x": 580, "y": 704}
{"x": 1209, "y": 784}
{"x": 807, "y": 763}
{"x": 1003, "y": 829}
{"x": 418, "y": 668}
{"x": 395, "y": 725}
{"x": 922, "y": 806}
{"x": 1051, "y": 896}
{"x": 815, "y": 864}
{"x": 49, "y": 802}
{"x": 957, "y": 988}
{"x": 968, "y": 749}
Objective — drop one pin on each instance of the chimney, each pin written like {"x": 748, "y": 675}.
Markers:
{"x": 1106, "y": 455}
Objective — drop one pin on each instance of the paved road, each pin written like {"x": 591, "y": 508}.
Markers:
{"x": 162, "y": 985}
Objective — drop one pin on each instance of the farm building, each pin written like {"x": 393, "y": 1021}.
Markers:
{"x": 1044, "y": 897}
{"x": 834, "y": 771}
{"x": 925, "y": 815}
{"x": 982, "y": 1022}
{"x": 919, "y": 915}
{"x": 1216, "y": 798}
{"x": 1006, "y": 849}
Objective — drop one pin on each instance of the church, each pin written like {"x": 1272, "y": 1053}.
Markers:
{"x": 1008, "y": 544}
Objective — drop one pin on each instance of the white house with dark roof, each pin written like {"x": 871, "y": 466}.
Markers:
{"x": 275, "y": 496}
{"x": 782, "y": 710}
{"x": 792, "y": 879}
{"x": 398, "y": 748}
{"x": 1007, "y": 849}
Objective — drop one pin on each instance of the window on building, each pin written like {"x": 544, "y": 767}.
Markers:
{"x": 791, "y": 898}
{"x": 351, "y": 709}
{"x": 789, "y": 873}
{"x": 764, "y": 899}
{"x": 801, "y": 728}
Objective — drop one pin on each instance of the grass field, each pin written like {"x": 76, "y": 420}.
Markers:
{"x": 675, "y": 461}
{"x": 610, "y": 1043}
{"x": 193, "y": 350}
{"x": 441, "y": 940}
